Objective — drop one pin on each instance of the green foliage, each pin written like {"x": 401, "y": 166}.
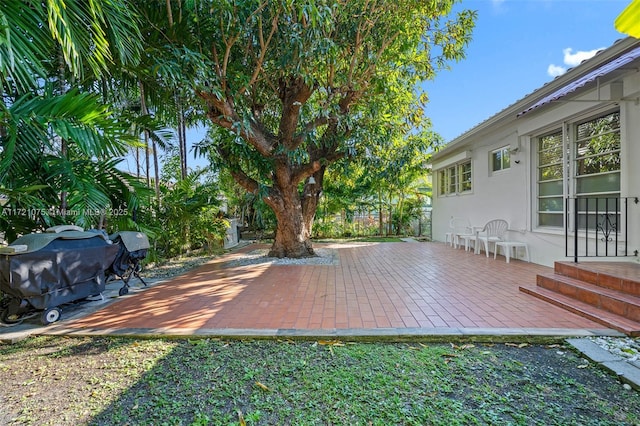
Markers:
{"x": 294, "y": 87}
{"x": 86, "y": 172}
{"x": 402, "y": 218}
{"x": 188, "y": 216}
{"x": 59, "y": 146}
{"x": 252, "y": 212}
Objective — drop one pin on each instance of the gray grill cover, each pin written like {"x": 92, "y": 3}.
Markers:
{"x": 57, "y": 268}
{"x": 132, "y": 240}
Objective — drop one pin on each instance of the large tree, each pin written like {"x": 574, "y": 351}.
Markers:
{"x": 292, "y": 82}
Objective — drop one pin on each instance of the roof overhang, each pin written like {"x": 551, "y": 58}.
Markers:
{"x": 586, "y": 79}
{"x": 588, "y": 71}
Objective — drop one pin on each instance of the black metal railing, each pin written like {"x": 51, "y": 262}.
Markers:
{"x": 597, "y": 227}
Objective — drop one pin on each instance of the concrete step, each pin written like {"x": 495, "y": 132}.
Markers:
{"x": 614, "y": 301}
{"x": 585, "y": 310}
{"x": 620, "y": 276}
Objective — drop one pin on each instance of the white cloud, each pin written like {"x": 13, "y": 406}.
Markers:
{"x": 573, "y": 59}
{"x": 556, "y": 70}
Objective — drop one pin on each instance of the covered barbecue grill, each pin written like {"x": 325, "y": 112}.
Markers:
{"x": 132, "y": 248}
{"x": 40, "y": 272}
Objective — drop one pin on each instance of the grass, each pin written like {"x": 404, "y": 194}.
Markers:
{"x": 108, "y": 381}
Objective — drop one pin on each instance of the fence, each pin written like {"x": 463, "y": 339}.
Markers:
{"x": 598, "y": 227}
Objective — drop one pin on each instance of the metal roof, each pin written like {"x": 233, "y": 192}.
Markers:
{"x": 587, "y": 78}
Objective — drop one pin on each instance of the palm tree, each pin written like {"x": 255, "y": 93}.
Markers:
{"x": 57, "y": 133}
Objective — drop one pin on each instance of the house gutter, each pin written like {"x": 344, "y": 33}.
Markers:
{"x": 511, "y": 113}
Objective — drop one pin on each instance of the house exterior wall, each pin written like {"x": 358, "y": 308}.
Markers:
{"x": 511, "y": 194}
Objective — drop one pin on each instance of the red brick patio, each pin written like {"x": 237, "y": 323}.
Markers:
{"x": 374, "y": 286}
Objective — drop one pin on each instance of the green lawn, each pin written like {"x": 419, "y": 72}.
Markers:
{"x": 59, "y": 381}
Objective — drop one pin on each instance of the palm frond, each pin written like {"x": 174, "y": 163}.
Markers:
{"x": 156, "y": 130}
{"x": 23, "y": 44}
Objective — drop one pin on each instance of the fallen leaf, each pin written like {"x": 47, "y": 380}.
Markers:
{"x": 583, "y": 365}
{"x": 330, "y": 342}
{"x": 467, "y": 346}
{"x": 516, "y": 345}
{"x": 450, "y": 355}
{"x": 262, "y": 386}
{"x": 241, "y": 419}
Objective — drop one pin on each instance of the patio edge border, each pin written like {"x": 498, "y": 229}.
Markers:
{"x": 371, "y": 334}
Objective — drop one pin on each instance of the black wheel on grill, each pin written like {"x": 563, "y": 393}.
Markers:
{"x": 50, "y": 315}
{"x": 123, "y": 291}
{"x": 9, "y": 319}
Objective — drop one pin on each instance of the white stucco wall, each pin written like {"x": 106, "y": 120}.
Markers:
{"x": 511, "y": 194}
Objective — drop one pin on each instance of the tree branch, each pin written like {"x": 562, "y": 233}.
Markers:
{"x": 294, "y": 92}
{"x": 222, "y": 113}
{"x": 264, "y": 46}
{"x": 244, "y": 180}
{"x": 312, "y": 125}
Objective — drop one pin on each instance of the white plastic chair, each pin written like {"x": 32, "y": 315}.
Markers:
{"x": 459, "y": 227}
{"x": 492, "y": 232}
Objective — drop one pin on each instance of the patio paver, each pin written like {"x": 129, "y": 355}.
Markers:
{"x": 385, "y": 287}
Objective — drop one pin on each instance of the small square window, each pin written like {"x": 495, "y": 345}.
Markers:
{"x": 500, "y": 159}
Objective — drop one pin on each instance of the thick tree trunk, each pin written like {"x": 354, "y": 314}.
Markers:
{"x": 311, "y": 199}
{"x": 292, "y": 237}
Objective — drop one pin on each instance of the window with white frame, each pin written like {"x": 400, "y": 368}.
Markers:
{"x": 596, "y": 168}
{"x": 550, "y": 179}
{"x": 500, "y": 159}
{"x": 597, "y": 156}
{"x": 592, "y": 168}
{"x": 455, "y": 179}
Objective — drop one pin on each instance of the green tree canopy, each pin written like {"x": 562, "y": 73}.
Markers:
{"x": 295, "y": 84}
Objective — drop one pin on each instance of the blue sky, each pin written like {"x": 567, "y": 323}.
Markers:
{"x": 517, "y": 47}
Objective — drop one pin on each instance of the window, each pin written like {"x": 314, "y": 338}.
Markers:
{"x": 465, "y": 176}
{"x": 597, "y": 156}
{"x": 455, "y": 179}
{"x": 595, "y": 168}
{"x": 453, "y": 186}
{"x": 500, "y": 159}
{"x": 550, "y": 194}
